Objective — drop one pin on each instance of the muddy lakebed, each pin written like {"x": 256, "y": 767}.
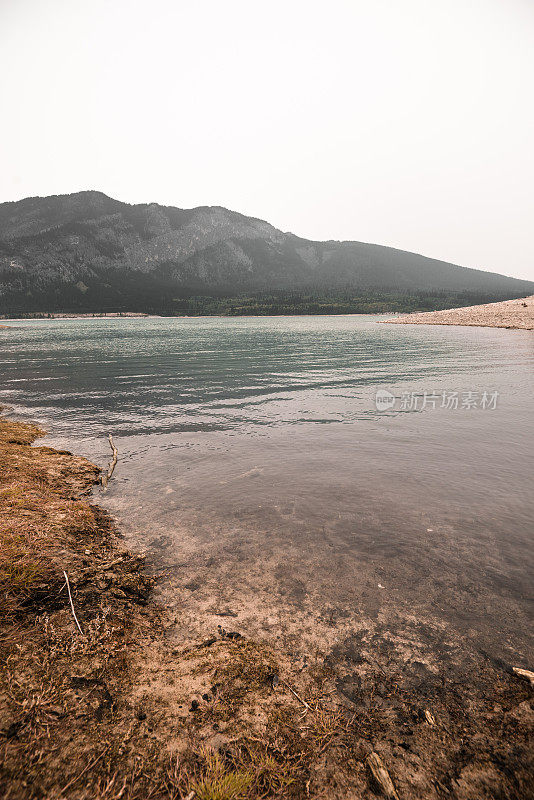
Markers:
{"x": 271, "y": 496}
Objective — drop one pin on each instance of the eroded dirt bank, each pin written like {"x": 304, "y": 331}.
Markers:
{"x": 118, "y": 711}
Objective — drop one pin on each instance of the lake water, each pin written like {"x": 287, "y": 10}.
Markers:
{"x": 258, "y": 475}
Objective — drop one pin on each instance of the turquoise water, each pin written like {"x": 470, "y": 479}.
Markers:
{"x": 170, "y": 375}
{"x": 255, "y": 467}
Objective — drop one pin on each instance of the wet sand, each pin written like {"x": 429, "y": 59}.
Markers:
{"x": 509, "y": 314}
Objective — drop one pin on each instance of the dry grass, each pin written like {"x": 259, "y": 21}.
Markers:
{"x": 218, "y": 781}
{"x": 38, "y": 513}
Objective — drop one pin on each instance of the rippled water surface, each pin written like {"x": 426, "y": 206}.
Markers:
{"x": 257, "y": 473}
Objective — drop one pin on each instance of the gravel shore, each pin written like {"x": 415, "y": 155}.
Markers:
{"x": 509, "y": 314}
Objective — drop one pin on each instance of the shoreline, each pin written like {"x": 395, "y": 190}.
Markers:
{"x": 125, "y": 707}
{"x": 511, "y": 314}
{"x": 190, "y": 316}
{"x": 115, "y": 695}
{"x": 83, "y": 315}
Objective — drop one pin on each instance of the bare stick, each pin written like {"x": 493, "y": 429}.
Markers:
{"x": 115, "y": 456}
{"x": 71, "y": 603}
{"x": 112, "y": 464}
{"x": 304, "y": 703}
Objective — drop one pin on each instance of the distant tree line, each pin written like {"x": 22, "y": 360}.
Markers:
{"x": 314, "y": 300}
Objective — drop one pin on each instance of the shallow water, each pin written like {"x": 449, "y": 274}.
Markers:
{"x": 258, "y": 475}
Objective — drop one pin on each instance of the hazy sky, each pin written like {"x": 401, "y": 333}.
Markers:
{"x": 402, "y": 122}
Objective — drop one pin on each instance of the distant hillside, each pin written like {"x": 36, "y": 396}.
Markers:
{"x": 88, "y": 252}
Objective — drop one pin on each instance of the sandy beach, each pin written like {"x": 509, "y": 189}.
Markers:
{"x": 508, "y": 314}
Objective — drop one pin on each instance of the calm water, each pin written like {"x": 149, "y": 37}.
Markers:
{"x": 257, "y": 474}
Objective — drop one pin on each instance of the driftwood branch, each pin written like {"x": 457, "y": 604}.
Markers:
{"x": 381, "y": 776}
{"x": 104, "y": 478}
{"x": 71, "y": 603}
{"x": 524, "y": 673}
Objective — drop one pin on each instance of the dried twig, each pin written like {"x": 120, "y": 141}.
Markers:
{"x": 293, "y": 692}
{"x": 77, "y": 778}
{"x": 71, "y": 603}
{"x": 88, "y": 571}
{"x": 104, "y": 478}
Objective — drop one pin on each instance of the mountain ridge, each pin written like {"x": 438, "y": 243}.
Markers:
{"x": 88, "y": 251}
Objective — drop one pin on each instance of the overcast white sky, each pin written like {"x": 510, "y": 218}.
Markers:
{"x": 402, "y": 122}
